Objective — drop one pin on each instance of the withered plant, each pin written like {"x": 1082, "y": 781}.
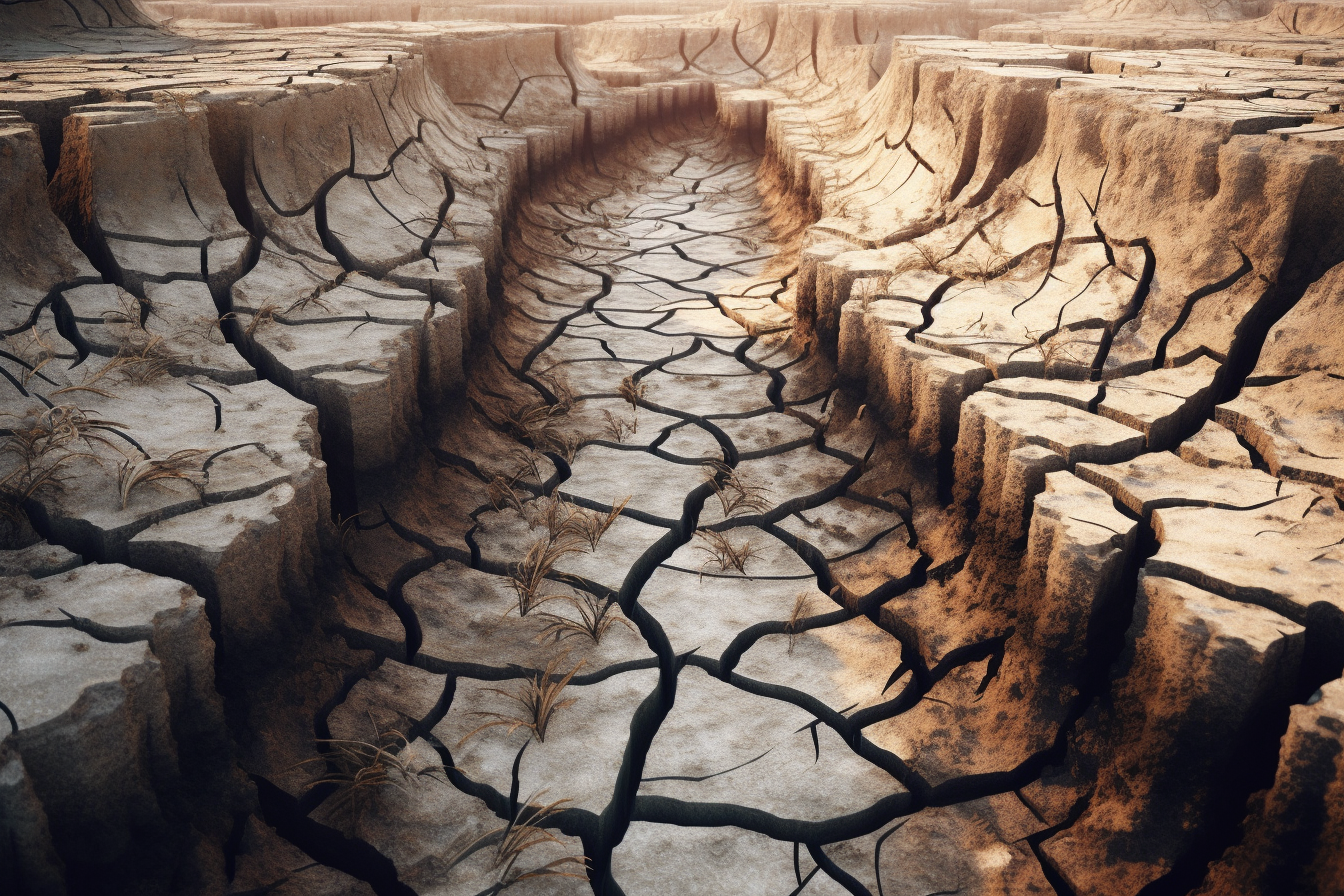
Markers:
{"x": 724, "y": 552}
{"x": 867, "y": 289}
{"x": 931, "y": 258}
{"x": 502, "y": 494}
{"x": 34, "y": 353}
{"x": 734, "y": 495}
{"x": 132, "y": 473}
{"x": 528, "y": 460}
{"x": 620, "y": 429}
{"x": 569, "y": 530}
{"x": 36, "y": 470}
{"x": 594, "y": 619}
{"x": 528, "y": 577}
{"x": 846, "y": 209}
{"x": 537, "y": 424}
{"x": 802, "y": 608}
{"x": 1057, "y": 347}
{"x": 346, "y": 526}
{"x": 181, "y": 100}
{"x": 128, "y": 310}
{"x": 817, "y": 132}
{"x": 357, "y": 767}
{"x": 558, "y": 516}
{"x": 262, "y": 317}
{"x": 270, "y": 312}
{"x": 632, "y": 390}
{"x": 315, "y": 299}
{"x": 538, "y": 700}
{"x": 591, "y": 525}
{"x": 62, "y": 424}
{"x": 985, "y": 268}
{"x": 41, "y": 451}
{"x": 143, "y": 358}
{"x": 508, "y": 844}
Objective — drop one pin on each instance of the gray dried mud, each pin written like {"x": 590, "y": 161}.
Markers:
{"x": 705, "y": 712}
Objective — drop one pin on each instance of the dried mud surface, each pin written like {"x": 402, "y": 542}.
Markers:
{"x": 759, "y": 451}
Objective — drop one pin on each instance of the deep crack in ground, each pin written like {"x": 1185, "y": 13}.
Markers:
{"x": 719, "y": 694}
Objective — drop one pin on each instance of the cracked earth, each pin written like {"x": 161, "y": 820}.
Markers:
{"x": 758, "y": 450}
{"x": 725, "y": 692}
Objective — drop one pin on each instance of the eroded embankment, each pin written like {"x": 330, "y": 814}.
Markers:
{"x": 1044, "y": 265}
{"x": 317, "y": 225}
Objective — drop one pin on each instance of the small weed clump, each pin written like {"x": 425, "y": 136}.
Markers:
{"x": 144, "y": 358}
{"x": 1058, "y": 349}
{"x": 802, "y": 607}
{"x": 131, "y": 474}
{"x": 569, "y": 530}
{"x": 632, "y": 390}
{"x": 735, "y": 495}
{"x": 33, "y": 353}
{"x": 594, "y": 619}
{"x": 538, "y": 699}
{"x": 591, "y": 525}
{"x": 724, "y": 552}
{"x": 620, "y": 429}
{"x": 538, "y": 423}
{"x": 529, "y": 576}
{"x": 356, "y": 768}
{"x": 41, "y": 450}
{"x": 508, "y": 844}
{"x": 502, "y": 493}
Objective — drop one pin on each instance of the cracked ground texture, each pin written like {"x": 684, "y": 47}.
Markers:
{"x": 719, "y": 696}
{"x": 759, "y": 451}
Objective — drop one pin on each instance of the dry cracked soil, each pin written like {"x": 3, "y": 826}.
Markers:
{"x": 633, "y": 447}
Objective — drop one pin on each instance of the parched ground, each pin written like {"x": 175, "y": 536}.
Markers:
{"x": 755, "y": 451}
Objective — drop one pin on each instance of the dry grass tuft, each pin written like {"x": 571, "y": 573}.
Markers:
{"x": 724, "y": 552}
{"x": 1058, "y": 348}
{"x": 144, "y": 358}
{"x": 358, "y": 767}
{"x": 528, "y": 461}
{"x": 632, "y": 390}
{"x": 270, "y": 312}
{"x": 511, "y": 842}
{"x": 184, "y": 101}
{"x": 538, "y": 699}
{"x": 131, "y": 474}
{"x": 40, "y": 447}
{"x": 529, "y": 576}
{"x": 569, "y": 530}
{"x": 538, "y": 423}
{"x": 503, "y": 494}
{"x": 735, "y": 495}
{"x": 802, "y": 608}
{"x": 262, "y": 317}
{"x": 33, "y": 352}
{"x": 593, "y": 622}
{"x": 620, "y": 429}
{"x": 591, "y": 525}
